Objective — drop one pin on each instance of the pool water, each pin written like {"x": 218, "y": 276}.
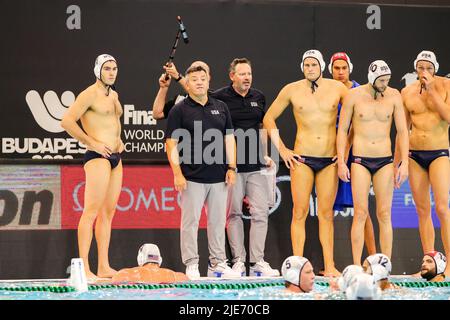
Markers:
{"x": 258, "y": 290}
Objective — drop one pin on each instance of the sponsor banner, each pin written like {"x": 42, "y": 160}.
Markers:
{"x": 404, "y": 214}
{"x": 143, "y": 137}
{"x": 148, "y": 199}
{"x": 50, "y": 197}
{"x": 42, "y": 148}
{"x": 30, "y": 197}
{"x": 44, "y": 138}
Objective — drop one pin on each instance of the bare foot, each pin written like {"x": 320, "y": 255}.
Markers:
{"x": 90, "y": 277}
{"x": 106, "y": 272}
{"x": 331, "y": 273}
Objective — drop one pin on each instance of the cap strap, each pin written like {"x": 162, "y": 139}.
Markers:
{"x": 314, "y": 85}
{"x": 422, "y": 86}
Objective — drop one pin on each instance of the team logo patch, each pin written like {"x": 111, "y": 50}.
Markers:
{"x": 254, "y": 104}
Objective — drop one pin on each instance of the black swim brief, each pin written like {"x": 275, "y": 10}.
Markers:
{"x": 113, "y": 159}
{"x": 316, "y": 163}
{"x": 425, "y": 157}
{"x": 373, "y": 164}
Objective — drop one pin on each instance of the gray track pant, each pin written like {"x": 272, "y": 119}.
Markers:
{"x": 214, "y": 196}
{"x": 255, "y": 186}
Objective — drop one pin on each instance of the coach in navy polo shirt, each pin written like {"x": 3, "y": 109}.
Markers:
{"x": 247, "y": 107}
{"x": 199, "y": 135}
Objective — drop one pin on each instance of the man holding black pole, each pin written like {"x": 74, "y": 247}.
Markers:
{"x": 201, "y": 173}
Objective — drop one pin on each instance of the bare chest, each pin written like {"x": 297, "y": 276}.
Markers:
{"x": 322, "y": 101}
{"x": 370, "y": 110}
{"x": 419, "y": 103}
{"x": 106, "y": 106}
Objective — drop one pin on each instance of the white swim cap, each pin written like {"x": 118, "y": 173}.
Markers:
{"x": 377, "y": 69}
{"x": 363, "y": 287}
{"x": 382, "y": 260}
{"x": 379, "y": 272}
{"x": 149, "y": 253}
{"x": 99, "y": 62}
{"x": 439, "y": 260}
{"x": 347, "y": 276}
{"x": 340, "y": 56}
{"x": 316, "y": 55}
{"x": 292, "y": 268}
{"x": 427, "y": 56}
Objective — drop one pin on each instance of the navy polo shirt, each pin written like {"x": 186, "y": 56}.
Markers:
{"x": 189, "y": 114}
{"x": 246, "y": 113}
{"x": 169, "y": 104}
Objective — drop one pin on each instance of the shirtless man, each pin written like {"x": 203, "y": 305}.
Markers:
{"x": 340, "y": 68}
{"x": 298, "y": 274}
{"x": 99, "y": 110}
{"x": 433, "y": 266}
{"x": 370, "y": 108}
{"x": 427, "y": 108}
{"x": 149, "y": 269}
{"x": 314, "y": 102}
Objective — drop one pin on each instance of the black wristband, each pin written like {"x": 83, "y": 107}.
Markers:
{"x": 179, "y": 77}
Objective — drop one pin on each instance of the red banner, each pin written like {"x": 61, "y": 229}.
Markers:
{"x": 148, "y": 199}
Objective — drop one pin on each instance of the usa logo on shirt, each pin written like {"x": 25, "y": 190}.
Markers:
{"x": 215, "y": 112}
{"x": 254, "y": 104}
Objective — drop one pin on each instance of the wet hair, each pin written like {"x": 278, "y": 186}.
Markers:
{"x": 237, "y": 61}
